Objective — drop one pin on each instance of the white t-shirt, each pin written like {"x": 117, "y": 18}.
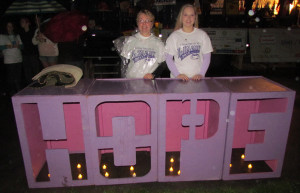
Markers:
{"x": 144, "y": 53}
{"x": 188, "y": 50}
{"x": 11, "y": 55}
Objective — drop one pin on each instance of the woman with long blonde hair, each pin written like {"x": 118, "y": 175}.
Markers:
{"x": 188, "y": 48}
{"x": 179, "y": 23}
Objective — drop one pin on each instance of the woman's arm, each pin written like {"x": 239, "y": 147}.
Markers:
{"x": 173, "y": 68}
{"x": 171, "y": 65}
{"x": 205, "y": 65}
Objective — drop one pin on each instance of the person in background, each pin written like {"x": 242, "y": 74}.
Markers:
{"x": 48, "y": 50}
{"x": 143, "y": 51}
{"x": 31, "y": 64}
{"x": 92, "y": 26}
{"x": 188, "y": 48}
{"x": 89, "y": 37}
{"x": 11, "y": 45}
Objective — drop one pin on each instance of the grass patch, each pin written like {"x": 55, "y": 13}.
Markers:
{"x": 244, "y": 186}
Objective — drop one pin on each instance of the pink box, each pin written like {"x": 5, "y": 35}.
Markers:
{"x": 192, "y": 129}
{"x": 51, "y": 131}
{"x": 259, "y": 119}
{"x": 123, "y": 131}
{"x": 133, "y": 130}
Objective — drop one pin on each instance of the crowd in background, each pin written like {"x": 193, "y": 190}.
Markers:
{"x": 26, "y": 51}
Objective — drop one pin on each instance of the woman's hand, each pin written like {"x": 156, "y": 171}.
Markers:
{"x": 40, "y": 37}
{"x": 148, "y": 76}
{"x": 183, "y": 77}
{"x": 197, "y": 77}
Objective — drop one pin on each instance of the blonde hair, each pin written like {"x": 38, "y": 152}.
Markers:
{"x": 146, "y": 12}
{"x": 178, "y": 24}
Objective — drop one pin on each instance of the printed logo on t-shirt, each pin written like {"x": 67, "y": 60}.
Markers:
{"x": 186, "y": 50}
{"x": 142, "y": 54}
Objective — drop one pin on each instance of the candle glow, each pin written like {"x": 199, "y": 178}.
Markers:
{"x": 250, "y": 166}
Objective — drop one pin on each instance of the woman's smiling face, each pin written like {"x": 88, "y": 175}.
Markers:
{"x": 188, "y": 17}
{"x": 145, "y": 25}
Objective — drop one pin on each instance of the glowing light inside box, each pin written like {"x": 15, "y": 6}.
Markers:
{"x": 49, "y": 175}
{"x": 106, "y": 174}
{"x": 80, "y": 176}
{"x": 134, "y": 174}
{"x": 78, "y": 166}
{"x": 171, "y": 169}
{"x": 131, "y": 168}
{"x": 172, "y": 160}
{"x": 104, "y": 167}
{"x": 179, "y": 172}
{"x": 250, "y": 166}
{"x": 230, "y": 165}
{"x": 243, "y": 156}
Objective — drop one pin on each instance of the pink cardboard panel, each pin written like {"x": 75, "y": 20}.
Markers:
{"x": 73, "y": 123}
{"x": 204, "y": 132}
{"x": 132, "y": 118}
{"x": 51, "y": 118}
{"x": 124, "y": 132}
{"x": 34, "y": 146}
{"x": 246, "y": 108}
{"x": 128, "y": 108}
{"x": 192, "y": 125}
{"x": 180, "y": 131}
{"x": 51, "y": 115}
{"x": 178, "y": 116}
{"x": 258, "y": 124}
{"x": 139, "y": 110}
{"x": 59, "y": 167}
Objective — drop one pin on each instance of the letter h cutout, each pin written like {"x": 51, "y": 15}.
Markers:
{"x": 51, "y": 129}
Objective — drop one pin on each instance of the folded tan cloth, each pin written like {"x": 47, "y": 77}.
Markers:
{"x": 59, "y": 75}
